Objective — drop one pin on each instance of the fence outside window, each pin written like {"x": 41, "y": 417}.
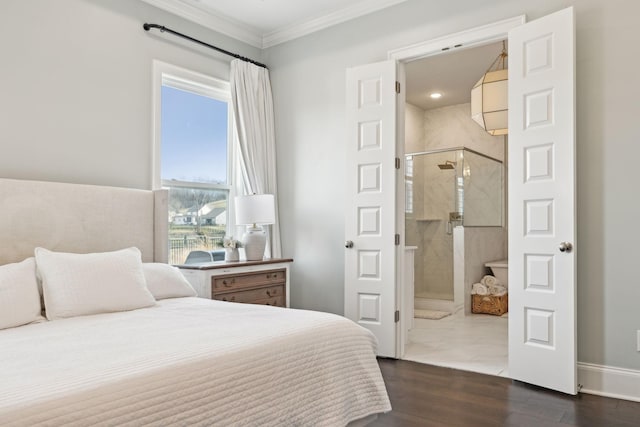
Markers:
{"x": 179, "y": 247}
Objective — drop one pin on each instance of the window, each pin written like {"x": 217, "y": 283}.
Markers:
{"x": 192, "y": 157}
{"x": 408, "y": 185}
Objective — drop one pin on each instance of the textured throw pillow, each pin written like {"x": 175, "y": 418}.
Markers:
{"x": 166, "y": 281}
{"x": 19, "y": 296}
{"x": 81, "y": 284}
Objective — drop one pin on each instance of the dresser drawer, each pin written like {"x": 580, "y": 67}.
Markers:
{"x": 235, "y": 297}
{"x": 276, "y": 302}
{"x": 252, "y": 295}
{"x": 232, "y": 282}
{"x": 253, "y": 282}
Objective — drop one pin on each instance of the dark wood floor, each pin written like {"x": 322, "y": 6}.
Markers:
{"x": 425, "y": 395}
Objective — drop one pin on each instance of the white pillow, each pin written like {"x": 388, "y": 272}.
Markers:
{"x": 166, "y": 281}
{"x": 80, "y": 284}
{"x": 19, "y": 296}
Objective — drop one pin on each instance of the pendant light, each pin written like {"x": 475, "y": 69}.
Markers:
{"x": 489, "y": 100}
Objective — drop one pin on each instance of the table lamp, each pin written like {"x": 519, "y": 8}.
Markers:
{"x": 255, "y": 210}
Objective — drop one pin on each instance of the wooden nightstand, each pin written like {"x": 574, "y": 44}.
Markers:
{"x": 253, "y": 282}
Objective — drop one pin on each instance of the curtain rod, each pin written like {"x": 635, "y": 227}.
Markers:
{"x": 162, "y": 29}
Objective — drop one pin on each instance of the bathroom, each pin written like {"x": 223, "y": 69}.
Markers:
{"x": 455, "y": 213}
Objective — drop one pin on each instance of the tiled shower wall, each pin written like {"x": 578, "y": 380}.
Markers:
{"x": 426, "y": 225}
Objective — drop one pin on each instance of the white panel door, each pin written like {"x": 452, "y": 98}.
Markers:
{"x": 542, "y": 264}
{"x": 370, "y": 217}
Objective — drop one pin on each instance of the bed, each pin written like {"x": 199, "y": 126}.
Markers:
{"x": 178, "y": 360}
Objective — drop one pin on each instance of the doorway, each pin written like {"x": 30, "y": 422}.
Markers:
{"x": 455, "y": 215}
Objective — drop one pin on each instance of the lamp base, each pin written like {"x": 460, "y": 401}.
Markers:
{"x": 254, "y": 241}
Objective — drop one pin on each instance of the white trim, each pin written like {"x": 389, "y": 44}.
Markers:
{"x": 215, "y": 89}
{"x": 156, "y": 124}
{"x": 177, "y": 74}
{"x": 300, "y": 29}
{"x": 219, "y": 23}
{"x": 204, "y": 85}
{"x": 609, "y": 381}
{"x": 245, "y": 33}
{"x": 466, "y": 39}
{"x": 187, "y": 80}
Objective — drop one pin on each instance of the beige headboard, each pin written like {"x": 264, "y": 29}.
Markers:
{"x": 80, "y": 218}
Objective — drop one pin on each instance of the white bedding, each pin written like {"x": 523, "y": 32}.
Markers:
{"x": 191, "y": 361}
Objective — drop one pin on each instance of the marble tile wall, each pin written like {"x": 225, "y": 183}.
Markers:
{"x": 451, "y": 126}
{"x": 435, "y": 265}
{"x": 481, "y": 245}
{"x": 482, "y": 191}
{"x": 413, "y": 129}
{"x": 434, "y": 195}
{"x": 426, "y": 226}
{"x": 458, "y": 269}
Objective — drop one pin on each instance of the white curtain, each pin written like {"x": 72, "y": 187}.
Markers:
{"x": 254, "y": 123}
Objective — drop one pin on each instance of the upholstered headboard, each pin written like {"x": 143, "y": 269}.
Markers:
{"x": 80, "y": 218}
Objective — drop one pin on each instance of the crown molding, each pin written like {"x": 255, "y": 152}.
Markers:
{"x": 303, "y": 28}
{"x": 219, "y": 23}
{"x": 240, "y": 31}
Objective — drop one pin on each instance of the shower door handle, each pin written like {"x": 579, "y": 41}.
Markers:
{"x": 565, "y": 247}
{"x": 348, "y": 244}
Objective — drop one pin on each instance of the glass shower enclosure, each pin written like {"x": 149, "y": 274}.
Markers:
{"x": 445, "y": 189}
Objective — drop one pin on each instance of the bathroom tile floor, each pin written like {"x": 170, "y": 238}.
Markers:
{"x": 476, "y": 342}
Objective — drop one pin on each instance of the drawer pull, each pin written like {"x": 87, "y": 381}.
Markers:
{"x": 228, "y": 283}
{"x": 271, "y": 293}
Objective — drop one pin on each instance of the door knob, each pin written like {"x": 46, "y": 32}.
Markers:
{"x": 348, "y": 244}
{"x": 565, "y": 247}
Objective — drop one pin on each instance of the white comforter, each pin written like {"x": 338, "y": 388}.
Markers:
{"x": 191, "y": 361}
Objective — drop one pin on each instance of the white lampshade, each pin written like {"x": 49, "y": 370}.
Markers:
{"x": 489, "y": 102}
{"x": 255, "y": 209}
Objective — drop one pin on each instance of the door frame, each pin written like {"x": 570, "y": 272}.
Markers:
{"x": 473, "y": 37}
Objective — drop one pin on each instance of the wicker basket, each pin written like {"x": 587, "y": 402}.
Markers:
{"x": 490, "y": 304}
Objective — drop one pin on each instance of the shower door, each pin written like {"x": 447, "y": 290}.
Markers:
{"x": 432, "y": 209}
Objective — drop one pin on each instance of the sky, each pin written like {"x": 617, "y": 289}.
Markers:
{"x": 194, "y": 137}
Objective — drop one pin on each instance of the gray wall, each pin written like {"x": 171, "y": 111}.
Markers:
{"x": 308, "y": 78}
{"x": 75, "y": 87}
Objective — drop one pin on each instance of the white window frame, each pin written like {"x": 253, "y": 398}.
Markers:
{"x": 201, "y": 84}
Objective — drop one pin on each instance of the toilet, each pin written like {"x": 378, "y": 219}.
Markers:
{"x": 500, "y": 270}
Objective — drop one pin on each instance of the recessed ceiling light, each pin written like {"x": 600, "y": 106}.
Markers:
{"x": 435, "y": 95}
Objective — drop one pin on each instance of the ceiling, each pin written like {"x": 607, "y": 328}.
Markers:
{"x": 452, "y": 74}
{"x": 265, "y": 23}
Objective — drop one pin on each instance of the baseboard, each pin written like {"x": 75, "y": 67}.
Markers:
{"x": 608, "y": 381}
